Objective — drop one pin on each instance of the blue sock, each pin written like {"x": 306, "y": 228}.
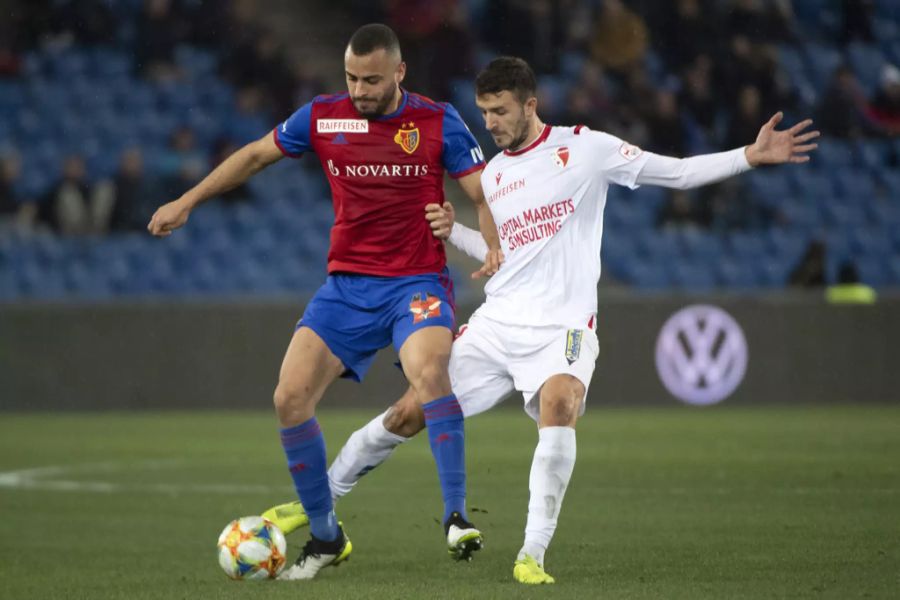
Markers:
{"x": 447, "y": 436}
{"x": 304, "y": 446}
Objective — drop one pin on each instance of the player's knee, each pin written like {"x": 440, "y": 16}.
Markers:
{"x": 291, "y": 404}
{"x": 431, "y": 378}
{"x": 561, "y": 402}
{"x": 405, "y": 419}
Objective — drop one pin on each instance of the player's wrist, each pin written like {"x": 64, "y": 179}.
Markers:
{"x": 752, "y": 156}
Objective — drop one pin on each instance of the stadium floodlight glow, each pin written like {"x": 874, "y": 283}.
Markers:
{"x": 701, "y": 355}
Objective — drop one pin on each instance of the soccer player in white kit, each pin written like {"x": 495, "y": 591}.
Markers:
{"x": 535, "y": 332}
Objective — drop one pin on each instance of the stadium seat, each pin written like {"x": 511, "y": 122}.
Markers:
{"x": 867, "y": 61}
{"x": 736, "y": 274}
{"x": 693, "y": 276}
{"x": 648, "y": 275}
{"x": 873, "y": 271}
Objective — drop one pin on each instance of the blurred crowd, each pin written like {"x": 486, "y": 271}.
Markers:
{"x": 677, "y": 77}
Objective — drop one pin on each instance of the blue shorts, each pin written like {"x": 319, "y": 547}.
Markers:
{"x": 358, "y": 315}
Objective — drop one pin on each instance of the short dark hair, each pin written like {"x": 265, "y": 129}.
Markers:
{"x": 369, "y": 38}
{"x": 507, "y": 73}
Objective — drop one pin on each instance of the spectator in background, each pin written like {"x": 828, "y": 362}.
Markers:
{"x": 810, "y": 271}
{"x": 450, "y": 51}
{"x": 182, "y": 148}
{"x": 743, "y": 123}
{"x": 134, "y": 194}
{"x": 159, "y": 30}
{"x": 667, "y": 130}
{"x": 697, "y": 96}
{"x": 761, "y": 20}
{"x": 73, "y": 206}
{"x": 849, "y": 289}
{"x": 884, "y": 110}
{"x": 842, "y": 112}
{"x": 534, "y": 31}
{"x": 682, "y": 210}
{"x": 856, "y": 20}
{"x": 687, "y": 31}
{"x": 619, "y": 39}
{"x": 13, "y": 210}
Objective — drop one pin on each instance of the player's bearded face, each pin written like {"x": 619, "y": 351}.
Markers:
{"x": 505, "y": 118}
{"x": 373, "y": 81}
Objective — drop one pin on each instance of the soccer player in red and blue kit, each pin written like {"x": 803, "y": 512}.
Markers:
{"x": 385, "y": 151}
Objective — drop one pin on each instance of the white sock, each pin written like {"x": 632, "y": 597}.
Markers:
{"x": 367, "y": 448}
{"x": 551, "y": 469}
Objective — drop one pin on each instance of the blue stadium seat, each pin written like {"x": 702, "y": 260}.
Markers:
{"x": 775, "y": 271}
{"x": 769, "y": 184}
{"x": 867, "y": 61}
{"x": 833, "y": 154}
{"x": 870, "y": 241}
{"x": 747, "y": 245}
{"x": 701, "y": 246}
{"x": 842, "y": 213}
{"x": 855, "y": 184}
{"x": 736, "y": 274}
{"x": 649, "y": 275}
{"x": 811, "y": 183}
{"x": 659, "y": 245}
{"x": 823, "y": 60}
{"x": 873, "y": 271}
{"x": 693, "y": 276}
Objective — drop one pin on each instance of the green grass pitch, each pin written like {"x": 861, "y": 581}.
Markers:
{"x": 664, "y": 503}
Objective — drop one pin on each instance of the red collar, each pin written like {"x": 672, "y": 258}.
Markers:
{"x": 543, "y": 136}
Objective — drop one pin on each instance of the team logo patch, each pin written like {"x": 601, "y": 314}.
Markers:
{"x": 425, "y": 308}
{"x": 408, "y": 137}
{"x": 561, "y": 157}
{"x": 573, "y": 345}
{"x": 629, "y": 152}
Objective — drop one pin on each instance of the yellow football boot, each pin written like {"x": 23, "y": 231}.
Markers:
{"x": 527, "y": 570}
{"x": 288, "y": 517}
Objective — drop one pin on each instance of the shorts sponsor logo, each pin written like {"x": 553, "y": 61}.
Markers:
{"x": 408, "y": 137}
{"x": 424, "y": 308}
{"x": 342, "y": 126}
{"x": 573, "y": 344}
{"x": 701, "y": 355}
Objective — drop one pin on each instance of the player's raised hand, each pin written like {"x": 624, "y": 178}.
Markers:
{"x": 774, "y": 147}
{"x": 492, "y": 261}
{"x": 168, "y": 218}
{"x": 441, "y": 219}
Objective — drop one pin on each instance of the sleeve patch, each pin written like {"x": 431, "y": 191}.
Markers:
{"x": 629, "y": 151}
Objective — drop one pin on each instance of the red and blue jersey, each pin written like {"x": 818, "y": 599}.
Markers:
{"x": 383, "y": 172}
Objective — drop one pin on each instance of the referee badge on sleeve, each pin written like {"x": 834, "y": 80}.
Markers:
{"x": 573, "y": 345}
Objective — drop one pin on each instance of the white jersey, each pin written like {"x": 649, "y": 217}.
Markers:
{"x": 547, "y": 201}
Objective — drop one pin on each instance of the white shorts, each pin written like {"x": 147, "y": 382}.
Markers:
{"x": 490, "y": 359}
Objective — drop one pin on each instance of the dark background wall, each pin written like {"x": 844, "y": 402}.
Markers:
{"x": 227, "y": 355}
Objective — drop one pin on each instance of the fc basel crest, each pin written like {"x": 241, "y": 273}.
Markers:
{"x": 408, "y": 137}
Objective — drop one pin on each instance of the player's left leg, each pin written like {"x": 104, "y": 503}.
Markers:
{"x": 425, "y": 356}
{"x": 561, "y": 399}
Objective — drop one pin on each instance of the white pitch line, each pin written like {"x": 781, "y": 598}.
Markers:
{"x": 45, "y": 479}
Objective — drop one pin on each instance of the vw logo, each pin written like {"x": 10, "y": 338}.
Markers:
{"x": 701, "y": 355}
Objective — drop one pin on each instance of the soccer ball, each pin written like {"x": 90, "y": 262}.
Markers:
{"x": 252, "y": 548}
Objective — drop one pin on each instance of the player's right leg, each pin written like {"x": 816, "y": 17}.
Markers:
{"x": 309, "y": 367}
{"x": 366, "y": 448}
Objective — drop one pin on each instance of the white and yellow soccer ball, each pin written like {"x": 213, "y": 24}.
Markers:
{"x": 252, "y": 548}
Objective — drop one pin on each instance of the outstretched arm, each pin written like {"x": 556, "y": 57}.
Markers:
{"x": 771, "y": 147}
{"x": 444, "y": 226}
{"x": 471, "y": 185}
{"x": 234, "y": 170}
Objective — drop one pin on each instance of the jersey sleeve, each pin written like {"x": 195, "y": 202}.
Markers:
{"x": 619, "y": 161}
{"x": 462, "y": 155}
{"x": 292, "y": 136}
